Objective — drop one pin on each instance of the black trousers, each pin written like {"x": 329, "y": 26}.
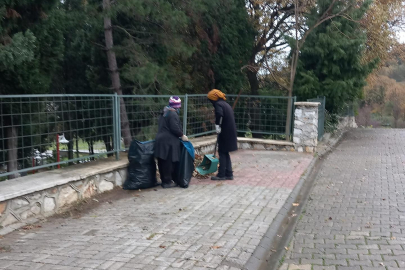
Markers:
{"x": 166, "y": 170}
{"x": 225, "y": 165}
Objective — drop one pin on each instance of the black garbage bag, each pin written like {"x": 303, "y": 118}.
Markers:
{"x": 185, "y": 167}
{"x": 142, "y": 166}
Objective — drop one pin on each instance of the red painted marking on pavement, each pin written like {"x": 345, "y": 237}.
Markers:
{"x": 252, "y": 168}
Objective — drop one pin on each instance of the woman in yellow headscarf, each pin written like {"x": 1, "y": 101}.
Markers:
{"x": 227, "y": 136}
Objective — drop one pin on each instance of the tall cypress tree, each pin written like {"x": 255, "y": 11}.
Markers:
{"x": 330, "y": 60}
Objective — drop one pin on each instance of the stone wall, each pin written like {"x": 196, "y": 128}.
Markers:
{"x": 306, "y": 126}
{"x": 346, "y": 122}
{"x": 206, "y": 146}
{"x": 50, "y": 201}
{"x": 264, "y": 144}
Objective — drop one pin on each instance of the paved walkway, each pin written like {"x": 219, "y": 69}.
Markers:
{"x": 355, "y": 217}
{"x": 211, "y": 224}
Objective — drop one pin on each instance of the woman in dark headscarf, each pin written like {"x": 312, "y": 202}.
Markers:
{"x": 227, "y": 138}
{"x": 167, "y": 143}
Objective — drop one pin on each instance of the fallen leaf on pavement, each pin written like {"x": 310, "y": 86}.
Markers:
{"x": 286, "y": 248}
{"x": 30, "y": 227}
{"x": 215, "y": 247}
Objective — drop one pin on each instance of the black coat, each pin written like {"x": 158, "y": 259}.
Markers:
{"x": 227, "y": 140}
{"x": 167, "y": 143}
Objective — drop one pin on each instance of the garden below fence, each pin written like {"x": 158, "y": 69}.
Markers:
{"x": 48, "y": 131}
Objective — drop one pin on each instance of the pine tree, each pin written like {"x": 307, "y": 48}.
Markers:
{"x": 330, "y": 61}
{"x": 31, "y": 48}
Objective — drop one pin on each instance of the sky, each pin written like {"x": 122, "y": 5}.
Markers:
{"x": 402, "y": 36}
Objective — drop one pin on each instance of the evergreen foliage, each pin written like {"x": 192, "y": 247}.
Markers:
{"x": 330, "y": 62}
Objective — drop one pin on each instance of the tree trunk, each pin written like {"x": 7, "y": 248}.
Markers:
{"x": 108, "y": 145}
{"x": 294, "y": 62}
{"x": 77, "y": 144}
{"x": 69, "y": 137}
{"x": 288, "y": 123}
{"x": 289, "y": 102}
{"x": 254, "y": 110}
{"x": 12, "y": 153}
{"x": 91, "y": 149}
{"x": 114, "y": 74}
{"x": 253, "y": 81}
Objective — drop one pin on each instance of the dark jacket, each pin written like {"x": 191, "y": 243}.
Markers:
{"x": 167, "y": 143}
{"x": 227, "y": 140}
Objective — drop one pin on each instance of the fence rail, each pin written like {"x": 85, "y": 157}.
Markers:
{"x": 49, "y": 131}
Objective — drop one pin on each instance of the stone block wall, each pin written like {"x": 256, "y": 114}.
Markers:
{"x": 306, "y": 126}
{"x": 48, "y": 202}
{"x": 264, "y": 144}
{"x": 346, "y": 122}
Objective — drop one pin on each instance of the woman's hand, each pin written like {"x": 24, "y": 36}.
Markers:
{"x": 184, "y": 138}
{"x": 218, "y": 129}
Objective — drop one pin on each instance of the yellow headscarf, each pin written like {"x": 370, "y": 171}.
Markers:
{"x": 215, "y": 94}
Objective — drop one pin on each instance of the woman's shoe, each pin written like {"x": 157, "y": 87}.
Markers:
{"x": 171, "y": 185}
{"x": 218, "y": 178}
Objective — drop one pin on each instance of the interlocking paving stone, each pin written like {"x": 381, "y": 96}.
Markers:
{"x": 210, "y": 225}
{"x": 358, "y": 196}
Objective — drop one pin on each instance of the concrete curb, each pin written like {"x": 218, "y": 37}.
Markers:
{"x": 272, "y": 247}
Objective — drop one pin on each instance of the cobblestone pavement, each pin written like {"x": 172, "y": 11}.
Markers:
{"x": 211, "y": 224}
{"x": 355, "y": 217}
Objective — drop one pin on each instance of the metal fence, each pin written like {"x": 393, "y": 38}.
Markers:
{"x": 321, "y": 115}
{"x": 40, "y": 132}
{"x": 347, "y": 109}
{"x": 264, "y": 115}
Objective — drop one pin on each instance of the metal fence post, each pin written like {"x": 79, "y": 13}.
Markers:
{"x": 185, "y": 114}
{"x": 117, "y": 126}
{"x": 114, "y": 111}
{"x": 293, "y": 100}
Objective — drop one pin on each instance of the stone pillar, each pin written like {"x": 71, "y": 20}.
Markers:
{"x": 306, "y": 126}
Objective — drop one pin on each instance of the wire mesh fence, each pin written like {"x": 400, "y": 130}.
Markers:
{"x": 143, "y": 115}
{"x": 264, "y": 115}
{"x": 347, "y": 109}
{"x": 40, "y": 132}
{"x": 46, "y": 131}
{"x": 200, "y": 116}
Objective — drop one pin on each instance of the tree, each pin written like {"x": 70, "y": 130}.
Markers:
{"x": 115, "y": 76}
{"x": 273, "y": 20}
{"x": 395, "y": 100}
{"x": 381, "y": 22}
{"x": 330, "y": 62}
{"x": 30, "y": 49}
